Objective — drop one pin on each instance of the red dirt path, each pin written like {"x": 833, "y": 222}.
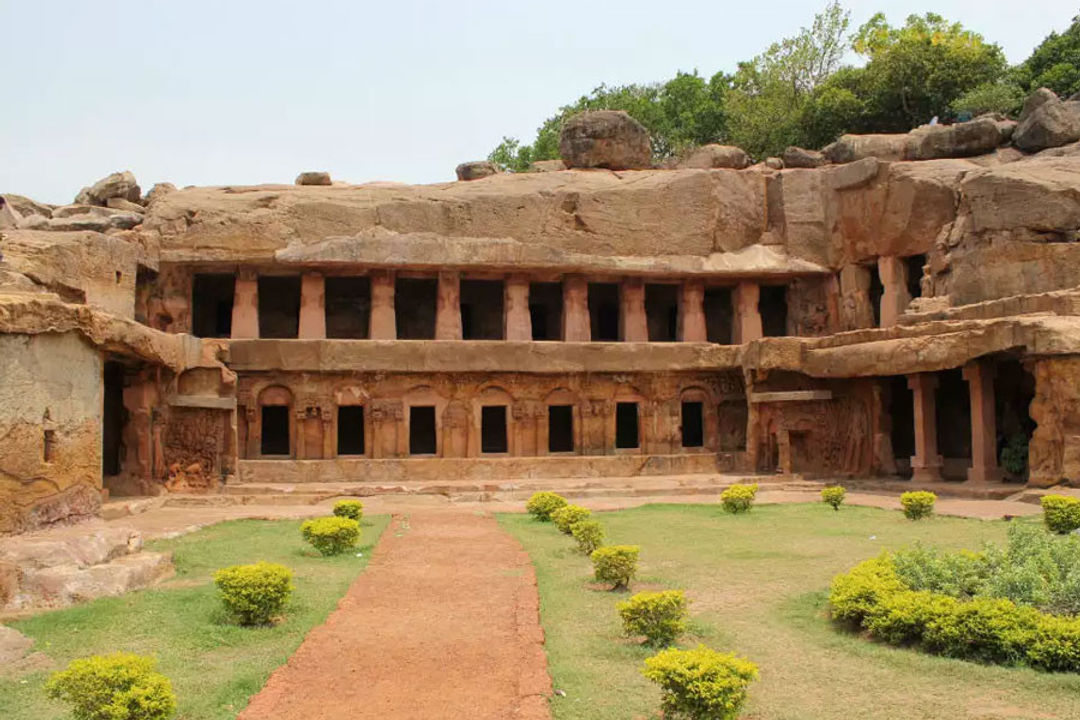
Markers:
{"x": 443, "y": 623}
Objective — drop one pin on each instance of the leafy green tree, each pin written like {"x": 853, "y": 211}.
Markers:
{"x": 1002, "y": 96}
{"x": 1055, "y": 63}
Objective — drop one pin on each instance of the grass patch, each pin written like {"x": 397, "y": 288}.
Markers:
{"x": 758, "y": 586}
{"x": 214, "y": 666}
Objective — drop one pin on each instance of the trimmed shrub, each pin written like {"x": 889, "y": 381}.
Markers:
{"x": 857, "y": 593}
{"x": 738, "y": 498}
{"x": 564, "y": 517}
{"x": 901, "y": 618}
{"x": 984, "y": 629}
{"x": 700, "y": 684}
{"x": 254, "y": 594}
{"x": 331, "y": 535}
{"x": 917, "y": 504}
{"x": 659, "y": 616}
{"x": 121, "y": 686}
{"x": 615, "y": 564}
{"x": 589, "y": 535}
{"x": 543, "y": 504}
{"x": 352, "y": 509}
{"x": 833, "y": 496}
{"x": 1061, "y": 513}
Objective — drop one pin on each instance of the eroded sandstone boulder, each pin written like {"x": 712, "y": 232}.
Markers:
{"x": 158, "y": 191}
{"x": 717, "y": 156}
{"x": 797, "y": 157}
{"x": 313, "y": 178}
{"x": 1047, "y": 122}
{"x": 25, "y": 206}
{"x": 547, "y": 166}
{"x": 931, "y": 142}
{"x": 116, "y": 185}
{"x": 476, "y": 169}
{"x": 608, "y": 139}
{"x": 850, "y": 148}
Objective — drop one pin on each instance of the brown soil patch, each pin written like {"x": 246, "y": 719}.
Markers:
{"x": 444, "y": 623}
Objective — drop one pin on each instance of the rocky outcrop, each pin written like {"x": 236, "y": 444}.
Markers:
{"x": 1047, "y": 122}
{"x": 475, "y": 170}
{"x": 930, "y": 142}
{"x": 850, "y": 148}
{"x": 547, "y": 166}
{"x": 608, "y": 139}
{"x": 717, "y": 156}
{"x": 116, "y": 185}
{"x": 797, "y": 157}
{"x": 313, "y": 178}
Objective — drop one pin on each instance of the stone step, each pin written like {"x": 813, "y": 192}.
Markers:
{"x": 64, "y": 585}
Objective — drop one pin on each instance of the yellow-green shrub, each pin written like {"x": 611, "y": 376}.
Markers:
{"x": 900, "y": 618}
{"x": 917, "y": 504}
{"x": 985, "y": 629}
{"x": 121, "y": 686}
{"x": 659, "y": 616}
{"x": 589, "y": 535}
{"x": 254, "y": 594}
{"x": 331, "y": 535}
{"x": 833, "y": 496}
{"x": 564, "y": 517}
{"x": 543, "y": 504}
{"x": 858, "y": 592}
{"x": 615, "y": 564}
{"x": 700, "y": 684}
{"x": 352, "y": 509}
{"x": 738, "y": 498}
{"x": 1061, "y": 513}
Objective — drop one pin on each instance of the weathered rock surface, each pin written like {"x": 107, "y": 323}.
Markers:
{"x": 159, "y": 190}
{"x": 850, "y": 148}
{"x": 116, "y": 185}
{"x": 774, "y": 163}
{"x": 475, "y": 170}
{"x": 25, "y": 206}
{"x": 608, "y": 139}
{"x": 797, "y": 157}
{"x": 1047, "y": 122}
{"x": 123, "y": 205}
{"x": 313, "y": 178}
{"x": 976, "y": 137}
{"x": 717, "y": 156}
{"x": 547, "y": 166}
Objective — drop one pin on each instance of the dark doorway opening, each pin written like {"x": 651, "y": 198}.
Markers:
{"x": 718, "y": 315}
{"x": 112, "y": 430}
{"x": 560, "y": 428}
{"x": 662, "y": 312}
{"x": 275, "y": 430}
{"x": 732, "y": 416}
{"x": 545, "y": 310}
{"x": 953, "y": 417}
{"x": 1014, "y": 389}
{"x": 348, "y": 307}
{"x": 493, "y": 429}
{"x": 279, "y": 306}
{"x": 913, "y": 269}
{"x": 693, "y": 424}
{"x": 604, "y": 311}
{"x": 482, "y": 309}
{"x": 350, "y": 430}
{"x": 414, "y": 303}
{"x": 875, "y": 292}
{"x": 772, "y": 304}
{"x": 422, "y": 430}
{"x": 626, "y": 425}
{"x": 212, "y": 305}
{"x": 901, "y": 410}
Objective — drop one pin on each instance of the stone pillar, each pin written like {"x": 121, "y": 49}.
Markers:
{"x": 517, "y": 323}
{"x": 894, "y": 295}
{"x": 635, "y": 325}
{"x": 312, "y": 307}
{"x": 383, "y": 321}
{"x": 747, "y": 325}
{"x": 245, "y": 309}
{"x": 448, "y": 307}
{"x": 576, "y": 326}
{"x": 856, "y": 311}
{"x": 984, "y": 462}
{"x": 926, "y": 463}
{"x": 692, "y": 312}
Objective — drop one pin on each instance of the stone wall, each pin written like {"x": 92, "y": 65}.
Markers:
{"x": 1054, "y": 452}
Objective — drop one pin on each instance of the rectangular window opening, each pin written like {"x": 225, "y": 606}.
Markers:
{"x": 718, "y": 315}
{"x": 422, "y": 430}
{"x": 348, "y": 307}
{"x": 693, "y": 424}
{"x": 414, "y": 305}
{"x": 482, "y": 309}
{"x": 279, "y": 306}
{"x": 112, "y": 418}
{"x": 662, "y": 312}
{"x": 275, "y": 430}
{"x": 560, "y": 428}
{"x": 914, "y": 273}
{"x": 212, "y": 304}
{"x": 546, "y": 310}
{"x": 626, "y": 425}
{"x": 604, "y": 311}
{"x": 350, "y": 430}
{"x": 772, "y": 304}
{"x": 493, "y": 429}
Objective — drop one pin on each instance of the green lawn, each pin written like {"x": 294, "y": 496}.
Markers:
{"x": 758, "y": 585}
{"x": 214, "y": 666}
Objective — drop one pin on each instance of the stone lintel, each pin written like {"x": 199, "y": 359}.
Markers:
{"x": 791, "y": 396}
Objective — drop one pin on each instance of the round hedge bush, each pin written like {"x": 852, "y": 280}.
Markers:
{"x": 1061, "y": 513}
{"x": 917, "y": 504}
{"x": 833, "y": 496}
{"x": 566, "y": 516}
{"x": 738, "y": 498}
{"x": 254, "y": 594}
{"x": 543, "y": 504}
{"x": 659, "y": 616}
{"x": 331, "y": 535}
{"x": 700, "y": 684}
{"x": 352, "y": 509}
{"x": 615, "y": 564}
{"x": 120, "y": 686}
{"x": 589, "y": 535}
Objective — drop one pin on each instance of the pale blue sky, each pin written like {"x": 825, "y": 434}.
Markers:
{"x": 231, "y": 92}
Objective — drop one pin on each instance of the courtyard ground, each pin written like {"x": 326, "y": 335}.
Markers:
{"x": 758, "y": 585}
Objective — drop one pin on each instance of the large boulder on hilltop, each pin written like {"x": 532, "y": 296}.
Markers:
{"x": 475, "y": 170}
{"x": 931, "y": 142}
{"x": 1046, "y": 122}
{"x": 605, "y": 139}
{"x": 313, "y": 177}
{"x": 116, "y": 185}
{"x": 797, "y": 157}
{"x": 850, "y": 148}
{"x": 716, "y": 156}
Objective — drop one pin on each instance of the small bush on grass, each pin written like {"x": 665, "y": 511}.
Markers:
{"x": 254, "y": 594}
{"x": 543, "y": 504}
{"x": 352, "y": 509}
{"x": 833, "y": 496}
{"x": 331, "y": 535}
{"x": 564, "y": 517}
{"x": 738, "y": 498}
{"x": 615, "y": 564}
{"x": 659, "y": 616}
{"x": 918, "y": 504}
{"x": 589, "y": 535}
{"x": 121, "y": 686}
{"x": 700, "y": 684}
{"x": 1061, "y": 513}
